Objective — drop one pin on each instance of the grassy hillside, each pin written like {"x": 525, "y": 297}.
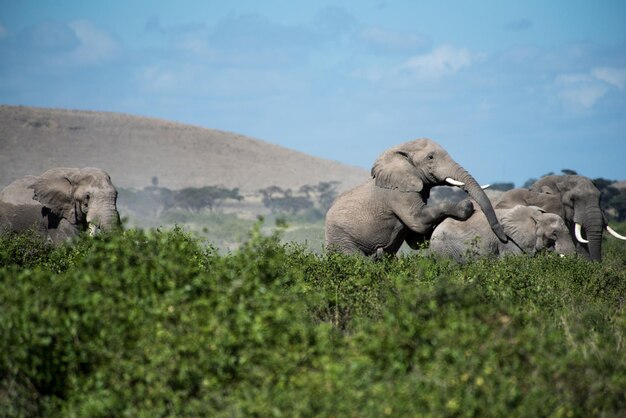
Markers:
{"x": 158, "y": 324}
{"x": 135, "y": 149}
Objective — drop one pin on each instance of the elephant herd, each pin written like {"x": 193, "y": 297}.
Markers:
{"x": 558, "y": 213}
{"x": 393, "y": 207}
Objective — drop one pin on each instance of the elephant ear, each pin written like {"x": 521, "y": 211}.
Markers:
{"x": 520, "y": 225}
{"x": 394, "y": 170}
{"x": 56, "y": 193}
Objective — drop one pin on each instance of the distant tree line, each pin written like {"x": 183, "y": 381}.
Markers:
{"x": 154, "y": 200}
{"x": 613, "y": 200}
{"x": 313, "y": 198}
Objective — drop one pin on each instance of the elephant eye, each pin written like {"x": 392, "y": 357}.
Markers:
{"x": 430, "y": 156}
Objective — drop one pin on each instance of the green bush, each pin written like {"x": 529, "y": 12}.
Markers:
{"x": 158, "y": 324}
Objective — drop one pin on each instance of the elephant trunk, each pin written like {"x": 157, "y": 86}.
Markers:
{"x": 106, "y": 218}
{"x": 111, "y": 222}
{"x": 476, "y": 192}
{"x": 593, "y": 222}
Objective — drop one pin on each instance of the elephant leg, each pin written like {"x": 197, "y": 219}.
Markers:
{"x": 413, "y": 240}
{"x": 350, "y": 248}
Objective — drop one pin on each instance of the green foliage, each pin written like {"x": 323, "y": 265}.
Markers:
{"x": 157, "y": 324}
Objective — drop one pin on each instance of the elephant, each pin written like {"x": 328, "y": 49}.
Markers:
{"x": 376, "y": 217}
{"x": 60, "y": 203}
{"x": 529, "y": 229}
{"x": 576, "y": 200}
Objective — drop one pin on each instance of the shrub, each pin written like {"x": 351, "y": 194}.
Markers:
{"x": 158, "y": 324}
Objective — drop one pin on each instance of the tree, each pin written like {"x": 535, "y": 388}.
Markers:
{"x": 328, "y": 193}
{"x": 503, "y": 187}
{"x": 208, "y": 197}
{"x": 284, "y": 200}
{"x": 569, "y": 172}
{"x": 322, "y": 194}
{"x": 618, "y": 204}
{"x": 270, "y": 194}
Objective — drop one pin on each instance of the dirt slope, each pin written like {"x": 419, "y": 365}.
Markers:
{"x": 134, "y": 149}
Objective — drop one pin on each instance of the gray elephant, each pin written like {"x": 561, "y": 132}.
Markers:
{"x": 576, "y": 200}
{"x": 60, "y": 203}
{"x": 391, "y": 207}
{"x": 529, "y": 229}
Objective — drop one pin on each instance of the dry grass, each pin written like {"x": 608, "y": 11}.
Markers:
{"x": 134, "y": 149}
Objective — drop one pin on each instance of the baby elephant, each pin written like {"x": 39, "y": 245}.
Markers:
{"x": 529, "y": 229}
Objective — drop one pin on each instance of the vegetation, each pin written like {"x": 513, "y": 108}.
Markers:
{"x": 318, "y": 197}
{"x": 503, "y": 187}
{"x": 159, "y": 324}
{"x": 154, "y": 200}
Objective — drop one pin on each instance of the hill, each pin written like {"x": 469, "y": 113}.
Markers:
{"x": 135, "y": 149}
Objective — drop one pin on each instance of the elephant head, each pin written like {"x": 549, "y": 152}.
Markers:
{"x": 84, "y": 197}
{"x": 532, "y": 229}
{"x": 547, "y": 202}
{"x": 580, "y": 201}
{"x": 419, "y": 165}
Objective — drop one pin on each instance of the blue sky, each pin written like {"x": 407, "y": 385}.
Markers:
{"x": 512, "y": 90}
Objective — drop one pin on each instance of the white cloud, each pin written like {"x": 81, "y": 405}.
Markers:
{"x": 95, "y": 44}
{"x": 159, "y": 79}
{"x": 613, "y": 76}
{"x": 584, "y": 90}
{"x": 443, "y": 61}
{"x": 580, "y": 91}
{"x": 195, "y": 40}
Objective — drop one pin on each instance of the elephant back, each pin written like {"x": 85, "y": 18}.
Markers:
{"x": 19, "y": 192}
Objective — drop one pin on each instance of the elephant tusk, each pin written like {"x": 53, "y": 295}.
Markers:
{"x": 486, "y": 186}
{"x": 614, "y": 233}
{"x": 454, "y": 182}
{"x": 93, "y": 230}
{"x": 579, "y": 236}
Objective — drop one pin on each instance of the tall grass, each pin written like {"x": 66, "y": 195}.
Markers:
{"x": 159, "y": 324}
